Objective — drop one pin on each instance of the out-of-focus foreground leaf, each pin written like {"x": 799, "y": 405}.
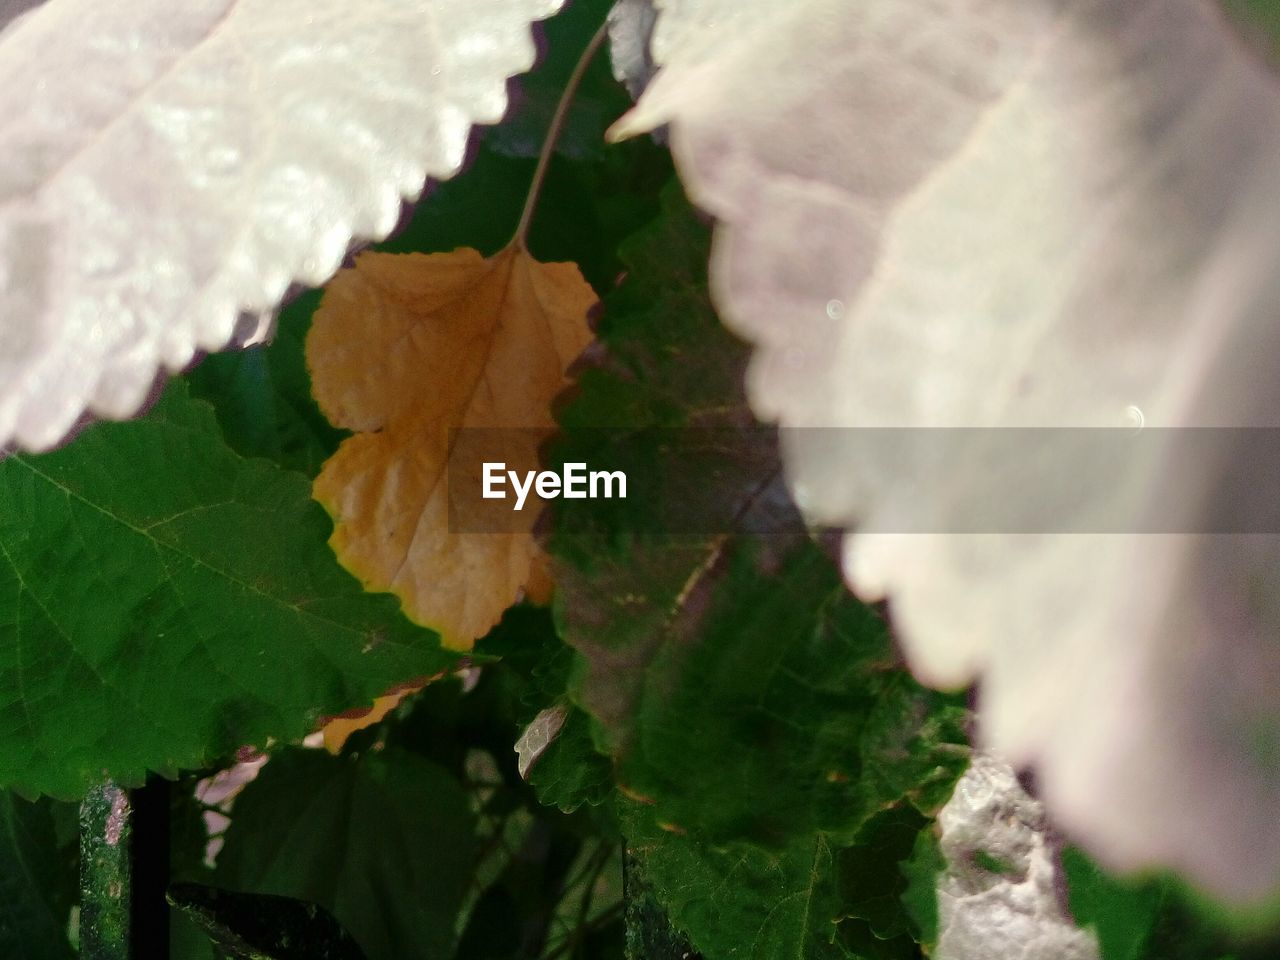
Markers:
{"x": 407, "y": 350}
{"x": 1057, "y": 213}
{"x": 172, "y": 166}
{"x": 11, "y": 9}
{"x": 384, "y": 841}
{"x": 164, "y": 602}
{"x": 754, "y": 710}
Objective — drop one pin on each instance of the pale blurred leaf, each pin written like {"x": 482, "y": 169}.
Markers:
{"x": 171, "y": 166}
{"x": 1050, "y": 213}
{"x": 630, "y": 34}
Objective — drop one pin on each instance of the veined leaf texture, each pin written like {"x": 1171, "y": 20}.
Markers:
{"x": 164, "y": 601}
{"x": 406, "y": 350}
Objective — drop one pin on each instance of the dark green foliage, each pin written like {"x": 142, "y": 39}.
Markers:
{"x": 262, "y": 396}
{"x": 37, "y": 881}
{"x": 870, "y": 881}
{"x": 650, "y": 935}
{"x": 920, "y": 894}
{"x": 528, "y": 867}
{"x": 1121, "y": 913}
{"x": 600, "y": 100}
{"x": 247, "y": 926}
{"x": 739, "y": 899}
{"x": 383, "y": 841}
{"x": 570, "y": 772}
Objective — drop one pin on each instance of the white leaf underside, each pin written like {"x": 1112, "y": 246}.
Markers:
{"x": 173, "y": 164}
{"x": 1014, "y": 913}
{"x": 1021, "y": 213}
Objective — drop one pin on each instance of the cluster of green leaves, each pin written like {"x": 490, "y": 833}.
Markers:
{"x": 742, "y": 745}
{"x": 421, "y": 838}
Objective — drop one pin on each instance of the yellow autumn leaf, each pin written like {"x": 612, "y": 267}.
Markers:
{"x": 404, "y": 348}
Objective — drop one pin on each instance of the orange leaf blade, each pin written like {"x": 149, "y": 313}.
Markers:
{"x": 404, "y": 349}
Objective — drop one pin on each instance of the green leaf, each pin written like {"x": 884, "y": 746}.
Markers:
{"x": 771, "y": 722}
{"x": 812, "y": 899}
{"x": 385, "y": 842}
{"x": 570, "y": 772}
{"x": 164, "y": 602}
{"x": 1157, "y": 917}
{"x": 262, "y": 396}
{"x": 754, "y": 708}
{"x": 37, "y": 882}
{"x": 738, "y": 900}
{"x": 650, "y": 935}
{"x": 1122, "y": 914}
{"x": 870, "y": 879}
{"x": 734, "y": 679}
{"x": 249, "y": 926}
{"x": 920, "y": 895}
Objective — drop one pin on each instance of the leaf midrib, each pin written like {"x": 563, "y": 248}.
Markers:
{"x": 144, "y": 533}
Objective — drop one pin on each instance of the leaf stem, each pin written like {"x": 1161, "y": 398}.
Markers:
{"x": 553, "y": 134}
